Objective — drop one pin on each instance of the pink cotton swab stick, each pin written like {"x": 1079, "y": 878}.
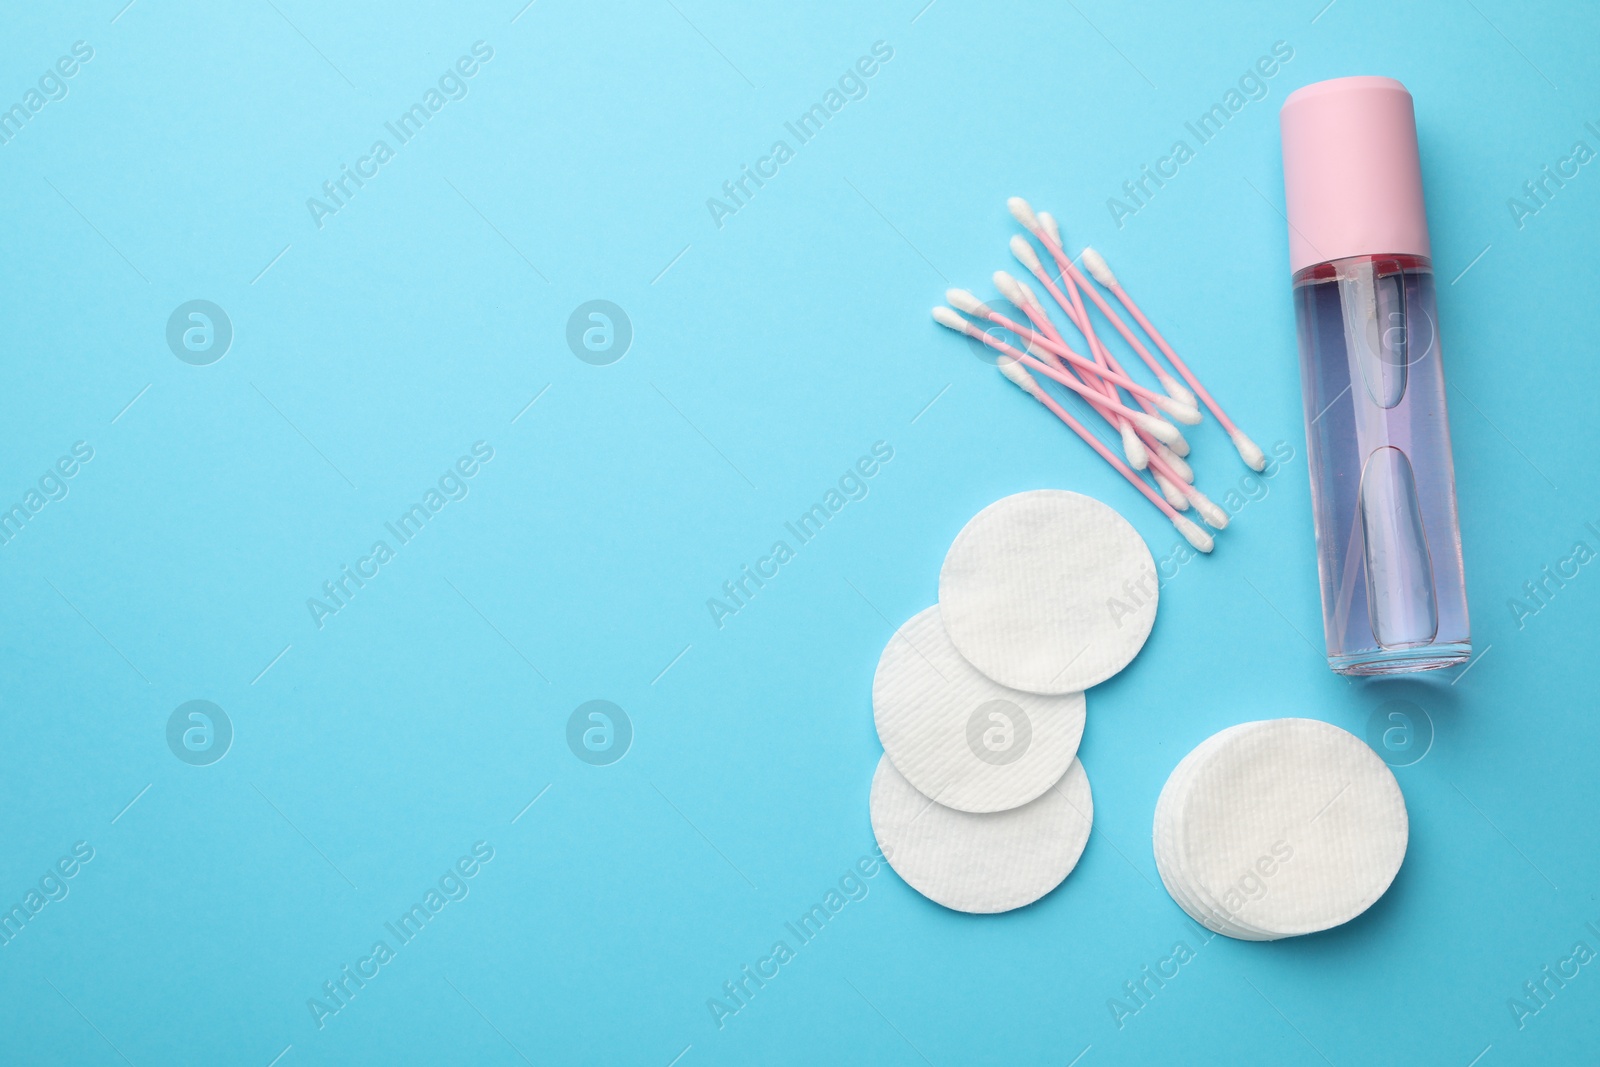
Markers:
{"x": 1136, "y": 443}
{"x": 1074, "y": 310}
{"x": 1175, "y": 487}
{"x": 1197, "y": 537}
{"x": 1144, "y": 442}
{"x": 1248, "y": 450}
{"x": 1176, "y": 490}
{"x": 1157, "y": 428}
{"x": 1133, "y": 446}
{"x": 1023, "y": 251}
{"x": 1173, "y": 476}
{"x": 964, "y": 300}
{"x": 1050, "y": 237}
{"x": 1023, "y": 213}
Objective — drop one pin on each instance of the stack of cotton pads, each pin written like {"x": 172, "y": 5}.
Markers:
{"x": 1278, "y": 828}
{"x": 979, "y": 802}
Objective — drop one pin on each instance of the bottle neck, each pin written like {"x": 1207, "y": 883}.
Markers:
{"x": 1383, "y": 264}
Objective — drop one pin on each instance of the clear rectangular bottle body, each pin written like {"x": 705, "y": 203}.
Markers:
{"x": 1382, "y": 479}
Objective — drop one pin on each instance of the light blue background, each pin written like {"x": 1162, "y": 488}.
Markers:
{"x": 768, "y": 355}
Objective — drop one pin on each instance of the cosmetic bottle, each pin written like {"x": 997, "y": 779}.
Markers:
{"x": 1377, "y": 433}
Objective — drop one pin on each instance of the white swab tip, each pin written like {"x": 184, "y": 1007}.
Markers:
{"x": 1179, "y": 465}
{"x": 1160, "y": 429}
{"x": 1025, "y": 253}
{"x": 1176, "y": 389}
{"x": 948, "y": 317}
{"x": 1022, "y": 211}
{"x": 1249, "y": 451}
{"x": 1215, "y": 517}
{"x": 1180, "y": 447}
{"x": 1019, "y": 376}
{"x": 1197, "y": 537}
{"x": 1048, "y": 222}
{"x": 1133, "y": 448}
{"x": 1028, "y": 294}
{"x": 1170, "y": 491}
{"x": 1184, "y": 413}
{"x": 1008, "y": 288}
{"x": 1096, "y": 265}
{"x": 963, "y": 300}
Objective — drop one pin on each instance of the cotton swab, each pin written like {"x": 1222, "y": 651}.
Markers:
{"x": 1048, "y": 221}
{"x": 1170, "y": 491}
{"x": 1178, "y": 492}
{"x": 1181, "y": 492}
{"x": 1096, "y": 373}
{"x": 1215, "y": 517}
{"x": 965, "y": 301}
{"x": 1071, "y": 302}
{"x": 1136, "y": 445}
{"x": 1161, "y": 430}
{"x": 1176, "y": 462}
{"x": 1248, "y": 449}
{"x": 1133, "y": 440}
{"x": 1177, "y": 486}
{"x": 1024, "y": 253}
{"x": 1019, "y": 376}
{"x": 1074, "y": 309}
{"x": 1172, "y": 474}
{"x": 1050, "y": 235}
{"x": 1133, "y": 446}
{"x": 1004, "y": 282}
{"x": 1079, "y": 318}
{"x": 1158, "y": 429}
{"x": 1023, "y": 213}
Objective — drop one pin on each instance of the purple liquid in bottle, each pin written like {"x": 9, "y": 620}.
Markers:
{"x": 1382, "y": 481}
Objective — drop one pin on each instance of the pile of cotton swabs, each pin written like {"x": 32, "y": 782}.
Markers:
{"x": 1149, "y": 440}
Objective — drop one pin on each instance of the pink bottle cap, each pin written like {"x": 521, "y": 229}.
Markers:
{"x": 1352, "y": 180}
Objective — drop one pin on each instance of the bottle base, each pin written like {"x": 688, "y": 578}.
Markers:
{"x": 1403, "y": 660}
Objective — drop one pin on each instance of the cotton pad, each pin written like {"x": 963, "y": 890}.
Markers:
{"x": 1208, "y": 913}
{"x": 959, "y": 738}
{"x": 1166, "y": 862}
{"x": 1048, "y": 591}
{"x": 1279, "y": 828}
{"x": 981, "y": 863}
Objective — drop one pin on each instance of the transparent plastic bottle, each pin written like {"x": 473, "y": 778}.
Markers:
{"x": 1377, "y": 428}
{"x": 1382, "y": 482}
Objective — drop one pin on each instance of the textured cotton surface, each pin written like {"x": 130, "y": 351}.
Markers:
{"x": 1048, "y": 591}
{"x": 1167, "y": 864}
{"x": 981, "y": 863}
{"x": 1279, "y": 828}
{"x": 960, "y": 738}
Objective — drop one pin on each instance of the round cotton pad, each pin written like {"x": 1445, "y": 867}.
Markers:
{"x": 1285, "y": 827}
{"x": 959, "y": 738}
{"x": 1171, "y": 800}
{"x": 981, "y": 863}
{"x": 1048, "y": 591}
